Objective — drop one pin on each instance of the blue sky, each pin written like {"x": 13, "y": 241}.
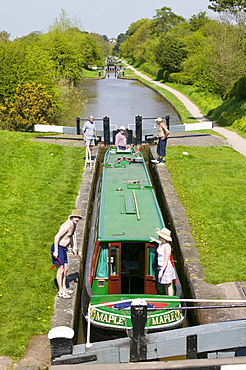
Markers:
{"x": 20, "y": 17}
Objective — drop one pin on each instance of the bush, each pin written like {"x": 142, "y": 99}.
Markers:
{"x": 32, "y": 105}
{"x": 160, "y": 74}
{"x": 179, "y": 78}
{"x": 240, "y": 124}
{"x": 165, "y": 76}
{"x": 240, "y": 88}
{"x": 150, "y": 68}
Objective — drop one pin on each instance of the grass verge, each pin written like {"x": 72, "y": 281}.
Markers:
{"x": 184, "y": 114}
{"x": 230, "y": 113}
{"x": 211, "y": 185}
{"x": 90, "y": 73}
{"x": 39, "y": 185}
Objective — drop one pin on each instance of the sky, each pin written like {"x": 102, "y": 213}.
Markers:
{"x": 110, "y": 18}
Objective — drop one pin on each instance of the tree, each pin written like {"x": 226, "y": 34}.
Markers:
{"x": 4, "y": 36}
{"x": 215, "y": 59}
{"x": 170, "y": 53}
{"x": 197, "y": 21}
{"x": 120, "y": 39}
{"x": 63, "y": 23}
{"x": 129, "y": 48}
{"x": 232, "y": 6}
{"x": 164, "y": 20}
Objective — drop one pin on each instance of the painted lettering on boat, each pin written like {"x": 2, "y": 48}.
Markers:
{"x": 166, "y": 318}
{"x": 107, "y": 318}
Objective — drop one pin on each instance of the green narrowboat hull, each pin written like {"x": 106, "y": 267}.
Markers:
{"x": 121, "y": 263}
{"x": 163, "y": 313}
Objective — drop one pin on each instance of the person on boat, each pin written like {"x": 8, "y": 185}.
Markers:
{"x": 166, "y": 271}
{"x": 120, "y": 138}
{"x": 62, "y": 240}
{"x": 89, "y": 133}
{"x": 163, "y": 133}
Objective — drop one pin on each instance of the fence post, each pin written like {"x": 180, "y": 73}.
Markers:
{"x": 106, "y": 131}
{"x": 78, "y": 125}
{"x": 167, "y": 121}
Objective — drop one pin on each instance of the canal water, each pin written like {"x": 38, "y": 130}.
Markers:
{"x": 121, "y": 100}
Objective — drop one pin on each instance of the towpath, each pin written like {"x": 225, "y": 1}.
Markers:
{"x": 233, "y": 139}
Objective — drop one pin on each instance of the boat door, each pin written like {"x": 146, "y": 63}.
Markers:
{"x": 150, "y": 269}
{"x": 114, "y": 268}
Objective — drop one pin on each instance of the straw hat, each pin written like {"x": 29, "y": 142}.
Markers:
{"x": 159, "y": 119}
{"x": 122, "y": 128}
{"x": 164, "y": 233}
{"x": 75, "y": 213}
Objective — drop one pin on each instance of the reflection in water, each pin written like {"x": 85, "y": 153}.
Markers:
{"x": 122, "y": 100}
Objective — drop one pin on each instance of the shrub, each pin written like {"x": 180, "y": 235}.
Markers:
{"x": 32, "y": 105}
{"x": 179, "y": 78}
{"x": 240, "y": 88}
{"x": 150, "y": 68}
{"x": 236, "y": 89}
{"x": 165, "y": 76}
{"x": 240, "y": 124}
{"x": 160, "y": 74}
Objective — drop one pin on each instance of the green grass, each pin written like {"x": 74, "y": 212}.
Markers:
{"x": 38, "y": 187}
{"x": 89, "y": 73}
{"x": 203, "y": 99}
{"x": 184, "y": 114}
{"x": 230, "y": 113}
{"x": 211, "y": 184}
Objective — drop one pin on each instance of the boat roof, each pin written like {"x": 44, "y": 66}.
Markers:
{"x": 128, "y": 206}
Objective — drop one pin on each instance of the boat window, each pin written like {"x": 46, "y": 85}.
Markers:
{"x": 114, "y": 260}
{"x": 102, "y": 267}
{"x": 151, "y": 261}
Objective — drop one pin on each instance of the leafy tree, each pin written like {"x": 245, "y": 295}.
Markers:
{"x": 64, "y": 23}
{"x": 22, "y": 62}
{"x": 214, "y": 59}
{"x": 197, "y": 21}
{"x": 170, "y": 53}
{"x": 131, "y": 46}
{"x": 120, "y": 39}
{"x": 164, "y": 20}
{"x": 228, "y": 5}
{"x": 4, "y": 36}
{"x": 134, "y": 26}
{"x": 103, "y": 42}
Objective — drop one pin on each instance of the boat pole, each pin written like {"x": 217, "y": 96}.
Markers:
{"x": 88, "y": 344}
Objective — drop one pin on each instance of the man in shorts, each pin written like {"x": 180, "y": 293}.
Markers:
{"x": 62, "y": 240}
{"x": 89, "y": 133}
{"x": 163, "y": 133}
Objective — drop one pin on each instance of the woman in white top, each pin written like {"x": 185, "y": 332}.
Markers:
{"x": 166, "y": 271}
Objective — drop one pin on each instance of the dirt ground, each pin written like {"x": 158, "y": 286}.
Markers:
{"x": 37, "y": 355}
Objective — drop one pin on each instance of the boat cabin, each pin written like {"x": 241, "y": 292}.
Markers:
{"x": 124, "y": 268}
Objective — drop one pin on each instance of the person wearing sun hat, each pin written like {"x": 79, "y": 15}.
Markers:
{"x": 120, "y": 138}
{"x": 163, "y": 133}
{"x": 166, "y": 271}
{"x": 62, "y": 240}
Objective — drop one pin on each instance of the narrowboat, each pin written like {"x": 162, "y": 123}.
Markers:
{"x": 121, "y": 261}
